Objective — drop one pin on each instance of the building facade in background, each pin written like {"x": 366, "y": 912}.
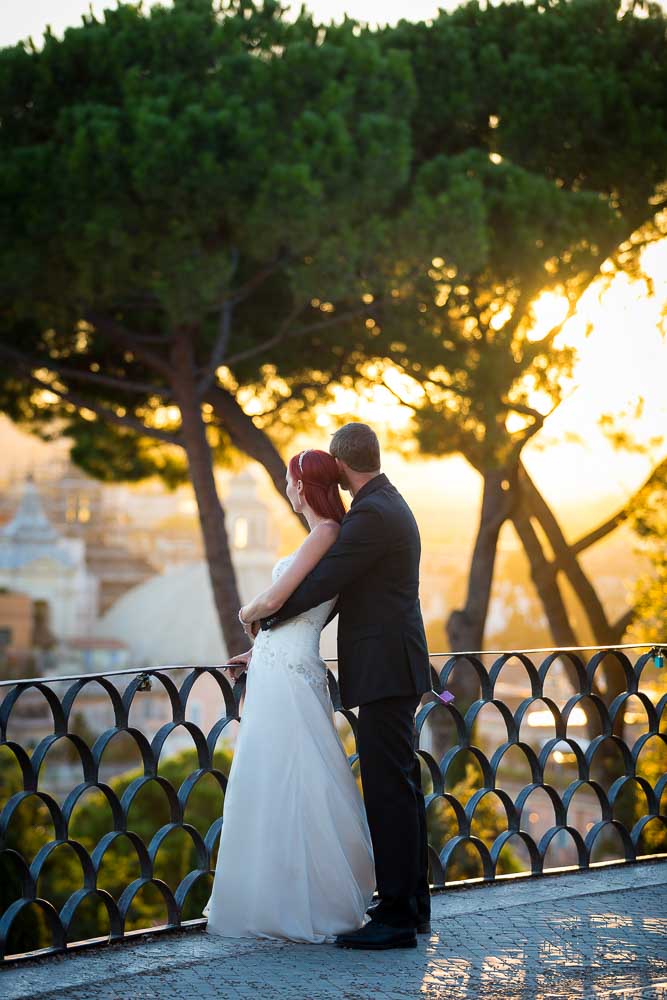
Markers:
{"x": 42, "y": 564}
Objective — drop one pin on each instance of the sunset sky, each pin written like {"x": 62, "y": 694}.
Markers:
{"x": 620, "y": 371}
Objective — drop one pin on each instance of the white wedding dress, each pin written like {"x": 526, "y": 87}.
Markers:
{"x": 295, "y": 859}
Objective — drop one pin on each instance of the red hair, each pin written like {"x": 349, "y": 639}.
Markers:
{"x": 318, "y": 472}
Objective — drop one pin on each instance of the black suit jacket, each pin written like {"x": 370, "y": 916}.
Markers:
{"x": 374, "y": 567}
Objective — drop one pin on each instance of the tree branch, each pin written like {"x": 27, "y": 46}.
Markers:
{"x": 428, "y": 379}
{"x": 131, "y": 339}
{"x": 564, "y": 558}
{"x": 521, "y": 438}
{"x": 527, "y": 295}
{"x": 219, "y": 350}
{"x": 257, "y": 279}
{"x": 622, "y": 624}
{"x": 65, "y": 372}
{"x": 110, "y": 381}
{"x": 601, "y": 531}
{"x": 397, "y": 395}
{"x": 527, "y": 411}
{"x": 251, "y": 440}
{"x": 620, "y": 516}
{"x": 81, "y": 403}
{"x": 524, "y": 297}
{"x": 284, "y": 333}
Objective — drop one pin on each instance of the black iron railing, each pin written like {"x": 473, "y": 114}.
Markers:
{"x": 585, "y": 730}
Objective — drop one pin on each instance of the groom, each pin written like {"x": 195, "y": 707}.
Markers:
{"x": 383, "y": 668}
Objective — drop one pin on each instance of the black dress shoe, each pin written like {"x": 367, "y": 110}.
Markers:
{"x": 376, "y": 937}
{"x": 423, "y": 923}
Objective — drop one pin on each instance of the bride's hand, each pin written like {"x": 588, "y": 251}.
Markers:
{"x": 239, "y": 664}
{"x": 251, "y": 628}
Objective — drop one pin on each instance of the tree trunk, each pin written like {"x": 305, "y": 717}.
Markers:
{"x": 465, "y": 626}
{"x": 565, "y": 561}
{"x": 211, "y": 514}
{"x": 250, "y": 440}
{"x": 543, "y": 575}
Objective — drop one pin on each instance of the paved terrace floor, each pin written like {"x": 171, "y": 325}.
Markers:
{"x": 577, "y": 935}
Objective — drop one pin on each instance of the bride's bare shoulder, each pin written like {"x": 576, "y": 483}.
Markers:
{"x": 321, "y": 536}
{"x": 329, "y": 526}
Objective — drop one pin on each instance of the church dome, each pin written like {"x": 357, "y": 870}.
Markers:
{"x": 30, "y": 523}
{"x": 168, "y": 619}
{"x": 30, "y": 535}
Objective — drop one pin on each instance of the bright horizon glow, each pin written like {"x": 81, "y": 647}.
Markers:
{"x": 29, "y": 18}
{"x": 619, "y": 370}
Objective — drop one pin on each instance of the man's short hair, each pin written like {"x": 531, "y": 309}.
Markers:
{"x": 356, "y": 445}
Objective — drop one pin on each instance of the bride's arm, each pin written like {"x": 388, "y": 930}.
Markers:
{"x": 319, "y": 541}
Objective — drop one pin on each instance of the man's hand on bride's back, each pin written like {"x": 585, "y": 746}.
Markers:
{"x": 238, "y": 664}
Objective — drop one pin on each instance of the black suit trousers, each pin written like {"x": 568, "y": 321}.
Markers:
{"x": 391, "y": 780}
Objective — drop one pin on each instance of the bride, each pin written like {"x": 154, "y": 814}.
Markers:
{"x": 295, "y": 859}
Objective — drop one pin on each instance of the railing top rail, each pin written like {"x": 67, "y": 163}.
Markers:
{"x": 116, "y": 673}
{"x": 555, "y": 649}
{"x": 223, "y": 666}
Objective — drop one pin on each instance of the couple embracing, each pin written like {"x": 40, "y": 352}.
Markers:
{"x": 299, "y": 855}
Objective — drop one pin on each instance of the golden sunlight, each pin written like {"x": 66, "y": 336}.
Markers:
{"x": 543, "y": 718}
{"x": 549, "y": 309}
{"x": 618, "y": 332}
{"x": 377, "y": 403}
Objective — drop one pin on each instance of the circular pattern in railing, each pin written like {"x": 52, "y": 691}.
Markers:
{"x": 461, "y": 729}
{"x": 608, "y": 719}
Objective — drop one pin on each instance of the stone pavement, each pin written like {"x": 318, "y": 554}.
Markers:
{"x": 577, "y": 935}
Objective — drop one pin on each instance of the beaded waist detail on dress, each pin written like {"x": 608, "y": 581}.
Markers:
{"x": 294, "y": 645}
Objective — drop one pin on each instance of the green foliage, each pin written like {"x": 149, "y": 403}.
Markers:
{"x": 31, "y": 828}
{"x": 631, "y": 804}
{"x": 649, "y": 521}
{"x": 454, "y": 171}
{"x": 552, "y": 88}
{"x": 520, "y": 184}
{"x": 113, "y": 454}
{"x": 190, "y": 168}
{"x": 489, "y": 822}
{"x": 652, "y": 766}
{"x": 178, "y": 140}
